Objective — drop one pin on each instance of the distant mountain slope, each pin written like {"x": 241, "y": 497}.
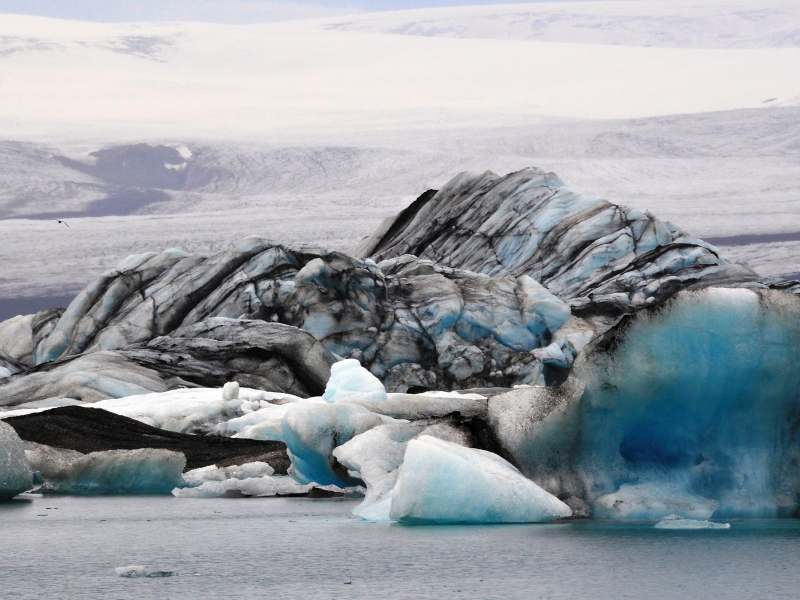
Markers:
{"x": 665, "y": 23}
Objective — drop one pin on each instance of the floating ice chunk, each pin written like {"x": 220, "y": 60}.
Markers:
{"x": 230, "y": 391}
{"x": 134, "y": 571}
{"x": 312, "y": 431}
{"x": 376, "y": 455}
{"x": 350, "y": 381}
{"x": 690, "y": 524}
{"x": 15, "y": 473}
{"x": 258, "y": 485}
{"x": 197, "y": 477}
{"x": 652, "y": 501}
{"x": 143, "y": 471}
{"x": 131, "y": 571}
{"x": 443, "y": 482}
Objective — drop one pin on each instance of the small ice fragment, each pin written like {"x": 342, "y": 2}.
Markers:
{"x": 690, "y": 524}
{"x": 230, "y": 391}
{"x": 130, "y": 571}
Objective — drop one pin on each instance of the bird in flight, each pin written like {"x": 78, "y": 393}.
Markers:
{"x": 59, "y": 221}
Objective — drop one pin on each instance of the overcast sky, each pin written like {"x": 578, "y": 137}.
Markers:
{"x": 224, "y": 11}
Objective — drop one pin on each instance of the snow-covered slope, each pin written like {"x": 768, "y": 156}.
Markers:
{"x": 667, "y": 24}
{"x": 223, "y": 80}
{"x": 315, "y": 131}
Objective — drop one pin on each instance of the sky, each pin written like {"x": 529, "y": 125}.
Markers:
{"x": 221, "y": 11}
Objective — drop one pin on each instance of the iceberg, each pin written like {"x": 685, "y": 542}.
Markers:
{"x": 376, "y": 455}
{"x": 15, "y": 473}
{"x": 693, "y": 403}
{"x": 249, "y": 479}
{"x": 684, "y": 524}
{"x": 312, "y": 431}
{"x": 144, "y": 471}
{"x": 350, "y": 381}
{"x": 134, "y": 571}
{"x": 443, "y": 482}
{"x": 653, "y": 501}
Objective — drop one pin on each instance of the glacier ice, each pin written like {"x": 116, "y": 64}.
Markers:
{"x": 49, "y": 461}
{"x": 249, "y": 479}
{"x": 686, "y": 524}
{"x": 312, "y": 431}
{"x": 376, "y": 455}
{"x": 692, "y": 402}
{"x": 350, "y": 381}
{"x": 143, "y": 471}
{"x": 443, "y": 482}
{"x": 652, "y": 501}
{"x": 193, "y": 410}
{"x": 230, "y": 391}
{"x": 15, "y": 473}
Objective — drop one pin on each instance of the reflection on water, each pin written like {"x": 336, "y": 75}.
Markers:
{"x": 68, "y": 547}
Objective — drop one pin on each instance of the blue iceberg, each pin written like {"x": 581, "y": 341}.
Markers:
{"x": 695, "y": 403}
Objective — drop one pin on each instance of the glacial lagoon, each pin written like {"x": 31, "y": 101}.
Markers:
{"x": 68, "y": 547}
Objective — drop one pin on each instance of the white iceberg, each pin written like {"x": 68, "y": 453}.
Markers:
{"x": 652, "y": 501}
{"x": 250, "y": 479}
{"x": 443, "y": 482}
{"x": 143, "y": 471}
{"x": 350, "y": 381}
{"x": 133, "y": 571}
{"x": 15, "y": 473}
{"x": 376, "y": 456}
{"x": 690, "y": 524}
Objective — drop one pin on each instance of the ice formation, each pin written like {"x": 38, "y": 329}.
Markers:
{"x": 653, "y": 501}
{"x": 134, "y": 571}
{"x": 144, "y": 471}
{"x": 692, "y": 403}
{"x": 686, "y": 524}
{"x": 376, "y": 455}
{"x": 194, "y": 410}
{"x": 312, "y": 431}
{"x": 15, "y": 473}
{"x": 350, "y": 381}
{"x": 442, "y": 482}
{"x": 250, "y": 479}
{"x": 599, "y": 257}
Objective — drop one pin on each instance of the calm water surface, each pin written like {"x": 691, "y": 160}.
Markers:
{"x": 68, "y": 547}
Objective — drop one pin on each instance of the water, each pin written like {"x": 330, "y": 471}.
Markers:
{"x": 68, "y": 547}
